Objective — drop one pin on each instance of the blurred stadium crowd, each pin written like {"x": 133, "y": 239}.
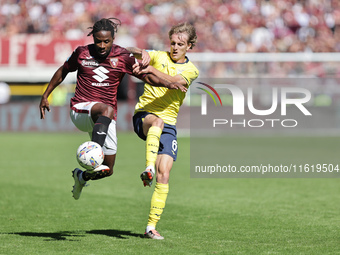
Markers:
{"x": 222, "y": 25}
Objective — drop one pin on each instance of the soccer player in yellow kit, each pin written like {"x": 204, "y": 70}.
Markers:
{"x": 156, "y": 115}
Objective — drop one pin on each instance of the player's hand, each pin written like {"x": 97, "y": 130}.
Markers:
{"x": 138, "y": 69}
{"x": 145, "y": 58}
{"x": 176, "y": 85}
{"x": 44, "y": 105}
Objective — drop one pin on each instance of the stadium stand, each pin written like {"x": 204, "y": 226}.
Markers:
{"x": 223, "y": 26}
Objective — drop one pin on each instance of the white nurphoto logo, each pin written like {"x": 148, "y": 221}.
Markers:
{"x": 239, "y": 100}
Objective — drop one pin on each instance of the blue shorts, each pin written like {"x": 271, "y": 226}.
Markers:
{"x": 168, "y": 141}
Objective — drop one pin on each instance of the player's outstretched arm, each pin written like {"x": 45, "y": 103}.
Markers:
{"x": 57, "y": 78}
{"x": 138, "y": 69}
{"x": 159, "y": 79}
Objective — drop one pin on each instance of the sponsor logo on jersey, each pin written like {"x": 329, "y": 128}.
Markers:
{"x": 114, "y": 62}
{"x": 100, "y": 76}
{"x": 100, "y": 84}
{"x": 89, "y": 63}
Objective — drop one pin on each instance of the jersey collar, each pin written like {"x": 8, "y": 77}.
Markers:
{"x": 186, "y": 59}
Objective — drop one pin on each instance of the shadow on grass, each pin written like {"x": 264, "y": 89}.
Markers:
{"x": 114, "y": 233}
{"x": 69, "y": 236}
{"x": 55, "y": 236}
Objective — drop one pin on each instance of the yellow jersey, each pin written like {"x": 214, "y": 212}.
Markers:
{"x": 161, "y": 101}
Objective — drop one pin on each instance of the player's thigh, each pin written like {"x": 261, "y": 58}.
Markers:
{"x": 100, "y": 109}
{"x": 151, "y": 120}
{"x": 142, "y": 121}
{"x": 168, "y": 142}
{"x": 81, "y": 116}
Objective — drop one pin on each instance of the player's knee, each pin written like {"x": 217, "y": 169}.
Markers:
{"x": 101, "y": 109}
{"x": 163, "y": 177}
{"x": 108, "y": 112}
{"x": 158, "y": 122}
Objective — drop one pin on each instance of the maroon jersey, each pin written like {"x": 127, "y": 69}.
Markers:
{"x": 98, "y": 79}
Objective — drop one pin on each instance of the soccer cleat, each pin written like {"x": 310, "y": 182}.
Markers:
{"x": 153, "y": 234}
{"x": 77, "y": 187}
{"x": 147, "y": 176}
{"x": 100, "y": 168}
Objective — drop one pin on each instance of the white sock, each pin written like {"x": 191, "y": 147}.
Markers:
{"x": 152, "y": 168}
{"x": 148, "y": 228}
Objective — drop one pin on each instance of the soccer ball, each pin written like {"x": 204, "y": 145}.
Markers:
{"x": 90, "y": 155}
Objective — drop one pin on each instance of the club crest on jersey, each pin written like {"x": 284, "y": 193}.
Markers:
{"x": 114, "y": 62}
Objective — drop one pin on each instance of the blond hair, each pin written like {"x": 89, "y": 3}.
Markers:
{"x": 185, "y": 28}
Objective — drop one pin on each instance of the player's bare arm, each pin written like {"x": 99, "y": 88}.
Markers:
{"x": 157, "y": 81}
{"x": 57, "y": 78}
{"x": 137, "y": 69}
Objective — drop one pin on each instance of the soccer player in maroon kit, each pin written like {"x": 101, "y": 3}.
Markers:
{"x": 101, "y": 66}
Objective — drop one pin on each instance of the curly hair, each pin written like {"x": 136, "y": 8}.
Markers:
{"x": 185, "y": 28}
{"x": 105, "y": 25}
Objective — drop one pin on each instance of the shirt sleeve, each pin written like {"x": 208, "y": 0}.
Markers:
{"x": 190, "y": 74}
{"x": 71, "y": 64}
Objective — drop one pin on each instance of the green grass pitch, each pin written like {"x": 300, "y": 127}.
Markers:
{"x": 202, "y": 216}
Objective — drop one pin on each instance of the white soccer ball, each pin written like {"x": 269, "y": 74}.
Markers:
{"x": 90, "y": 155}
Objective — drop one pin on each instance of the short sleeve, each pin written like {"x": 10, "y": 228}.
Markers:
{"x": 71, "y": 64}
